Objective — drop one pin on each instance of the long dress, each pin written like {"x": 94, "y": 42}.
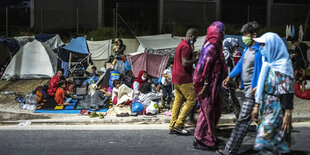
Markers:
{"x": 270, "y": 136}
{"x": 211, "y": 66}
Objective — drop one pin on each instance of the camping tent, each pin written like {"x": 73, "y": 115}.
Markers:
{"x": 4, "y": 52}
{"x": 33, "y": 60}
{"x": 153, "y": 64}
{"x": 53, "y": 41}
{"x": 77, "y": 45}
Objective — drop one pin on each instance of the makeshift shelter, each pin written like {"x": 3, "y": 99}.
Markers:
{"x": 153, "y": 64}
{"x": 77, "y": 46}
{"x": 4, "y": 52}
{"x": 53, "y": 41}
{"x": 100, "y": 51}
{"x": 33, "y": 60}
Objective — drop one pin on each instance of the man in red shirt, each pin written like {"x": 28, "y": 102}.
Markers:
{"x": 53, "y": 83}
{"x": 183, "y": 82}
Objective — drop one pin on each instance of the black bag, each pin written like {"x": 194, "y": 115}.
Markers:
{"x": 306, "y": 62}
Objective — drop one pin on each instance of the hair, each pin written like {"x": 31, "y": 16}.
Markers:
{"x": 250, "y": 27}
{"x": 94, "y": 68}
{"x": 61, "y": 69}
{"x": 120, "y": 41}
{"x": 192, "y": 32}
{"x": 294, "y": 39}
{"x": 61, "y": 82}
{"x": 115, "y": 82}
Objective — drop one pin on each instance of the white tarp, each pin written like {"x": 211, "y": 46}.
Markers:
{"x": 100, "y": 50}
{"x": 163, "y": 41}
{"x": 33, "y": 60}
{"x": 54, "y": 42}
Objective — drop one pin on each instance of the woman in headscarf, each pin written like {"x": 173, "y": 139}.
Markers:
{"x": 142, "y": 77}
{"x": 274, "y": 97}
{"x": 231, "y": 103}
{"x": 209, "y": 73}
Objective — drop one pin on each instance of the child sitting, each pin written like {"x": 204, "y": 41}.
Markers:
{"x": 116, "y": 85}
{"x": 60, "y": 93}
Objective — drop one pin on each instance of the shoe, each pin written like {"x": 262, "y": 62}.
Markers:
{"x": 122, "y": 115}
{"x": 101, "y": 115}
{"x": 93, "y": 114}
{"x": 172, "y": 132}
{"x": 84, "y": 112}
{"x": 181, "y": 131}
{"x": 200, "y": 146}
{"x": 133, "y": 114}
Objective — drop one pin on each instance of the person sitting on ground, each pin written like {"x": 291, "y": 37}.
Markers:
{"x": 116, "y": 85}
{"x": 148, "y": 93}
{"x": 94, "y": 71}
{"x": 165, "y": 83}
{"x": 119, "y": 48}
{"x": 301, "y": 58}
{"x": 301, "y": 92}
{"x": 60, "y": 93}
{"x": 104, "y": 90}
{"x": 69, "y": 91}
{"x": 142, "y": 77}
{"x": 53, "y": 83}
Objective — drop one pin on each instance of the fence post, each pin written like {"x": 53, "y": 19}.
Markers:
{"x": 161, "y": 14}
{"x": 99, "y": 13}
{"x": 31, "y": 14}
{"x": 6, "y": 21}
{"x": 77, "y": 20}
{"x": 269, "y": 3}
{"x": 41, "y": 21}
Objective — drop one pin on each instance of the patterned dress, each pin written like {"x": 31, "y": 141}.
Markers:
{"x": 270, "y": 136}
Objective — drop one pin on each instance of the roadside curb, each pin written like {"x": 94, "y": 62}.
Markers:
{"x": 160, "y": 119}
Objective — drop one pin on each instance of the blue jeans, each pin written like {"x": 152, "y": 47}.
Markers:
{"x": 167, "y": 91}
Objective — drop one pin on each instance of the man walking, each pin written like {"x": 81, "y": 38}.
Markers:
{"x": 249, "y": 67}
{"x": 183, "y": 83}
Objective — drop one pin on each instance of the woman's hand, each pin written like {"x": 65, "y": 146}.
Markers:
{"x": 254, "y": 114}
{"x": 253, "y": 91}
{"x": 287, "y": 121}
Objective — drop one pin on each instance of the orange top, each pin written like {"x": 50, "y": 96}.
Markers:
{"x": 60, "y": 95}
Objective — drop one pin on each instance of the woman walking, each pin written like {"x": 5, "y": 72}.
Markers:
{"x": 274, "y": 97}
{"x": 210, "y": 71}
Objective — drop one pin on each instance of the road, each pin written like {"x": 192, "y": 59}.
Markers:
{"x": 120, "y": 139}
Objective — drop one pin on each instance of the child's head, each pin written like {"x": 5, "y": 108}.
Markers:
{"x": 116, "y": 83}
{"x": 94, "y": 68}
{"x": 103, "y": 88}
{"x": 62, "y": 83}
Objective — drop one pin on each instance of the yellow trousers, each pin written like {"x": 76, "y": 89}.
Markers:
{"x": 182, "y": 92}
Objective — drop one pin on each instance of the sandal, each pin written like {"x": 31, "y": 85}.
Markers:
{"x": 83, "y": 112}
{"x": 221, "y": 152}
{"x": 93, "y": 114}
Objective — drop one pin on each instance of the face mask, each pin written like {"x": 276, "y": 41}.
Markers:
{"x": 246, "y": 40}
{"x": 143, "y": 78}
{"x": 263, "y": 51}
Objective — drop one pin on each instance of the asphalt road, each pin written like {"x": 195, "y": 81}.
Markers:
{"x": 118, "y": 139}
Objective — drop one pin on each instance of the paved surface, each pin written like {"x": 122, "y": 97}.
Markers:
{"x": 120, "y": 139}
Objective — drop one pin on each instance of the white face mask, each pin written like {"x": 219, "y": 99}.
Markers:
{"x": 143, "y": 78}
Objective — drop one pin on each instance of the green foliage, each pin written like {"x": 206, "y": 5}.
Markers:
{"x": 103, "y": 33}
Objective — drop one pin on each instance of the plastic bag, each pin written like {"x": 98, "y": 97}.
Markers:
{"x": 137, "y": 107}
{"x": 152, "y": 108}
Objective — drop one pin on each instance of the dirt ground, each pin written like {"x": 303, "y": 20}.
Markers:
{"x": 9, "y": 109}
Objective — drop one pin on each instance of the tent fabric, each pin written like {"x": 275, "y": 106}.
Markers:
{"x": 100, "y": 50}
{"x": 5, "y": 54}
{"x": 23, "y": 40}
{"x": 54, "y": 42}
{"x": 153, "y": 64}
{"x": 44, "y": 37}
{"x": 33, "y": 60}
{"x": 77, "y": 45}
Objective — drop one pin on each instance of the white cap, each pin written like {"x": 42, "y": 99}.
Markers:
{"x": 261, "y": 39}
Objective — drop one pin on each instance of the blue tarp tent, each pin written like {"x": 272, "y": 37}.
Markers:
{"x": 77, "y": 45}
{"x": 44, "y": 37}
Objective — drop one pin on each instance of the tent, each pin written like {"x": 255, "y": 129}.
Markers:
{"x": 153, "y": 64}
{"x": 77, "y": 46}
{"x": 4, "y": 52}
{"x": 164, "y": 44}
{"x": 33, "y": 60}
{"x": 53, "y": 41}
{"x": 100, "y": 51}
